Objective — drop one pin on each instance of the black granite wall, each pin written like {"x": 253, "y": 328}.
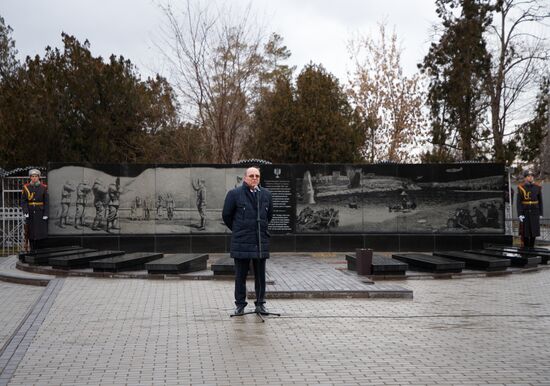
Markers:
{"x": 320, "y": 207}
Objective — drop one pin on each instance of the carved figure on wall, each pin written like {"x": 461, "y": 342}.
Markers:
{"x": 137, "y": 209}
{"x": 159, "y": 206}
{"x": 492, "y": 215}
{"x": 101, "y": 202}
{"x": 307, "y": 188}
{"x": 200, "y": 189}
{"x": 170, "y": 206}
{"x": 320, "y": 219}
{"x": 83, "y": 189}
{"x": 66, "y": 193}
{"x": 461, "y": 219}
{"x": 114, "y": 203}
{"x": 405, "y": 205}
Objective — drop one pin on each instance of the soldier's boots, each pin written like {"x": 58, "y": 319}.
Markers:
{"x": 203, "y": 224}
{"x": 62, "y": 222}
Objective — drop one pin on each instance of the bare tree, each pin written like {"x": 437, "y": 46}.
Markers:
{"x": 217, "y": 64}
{"x": 390, "y": 102}
{"x": 519, "y": 58}
{"x": 545, "y": 146}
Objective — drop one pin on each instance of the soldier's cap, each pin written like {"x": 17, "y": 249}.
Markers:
{"x": 34, "y": 172}
{"x": 528, "y": 173}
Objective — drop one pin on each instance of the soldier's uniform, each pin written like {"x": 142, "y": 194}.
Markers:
{"x": 34, "y": 202}
{"x": 529, "y": 205}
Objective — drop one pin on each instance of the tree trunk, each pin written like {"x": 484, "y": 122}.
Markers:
{"x": 545, "y": 153}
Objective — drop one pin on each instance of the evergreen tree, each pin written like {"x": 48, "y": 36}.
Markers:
{"x": 530, "y": 135}
{"x": 69, "y": 106}
{"x": 311, "y": 122}
{"x": 457, "y": 66}
{"x": 8, "y": 59}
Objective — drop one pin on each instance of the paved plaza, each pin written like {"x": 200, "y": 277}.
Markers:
{"x": 90, "y": 331}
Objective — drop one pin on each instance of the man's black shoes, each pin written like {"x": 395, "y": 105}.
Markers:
{"x": 260, "y": 309}
{"x": 239, "y": 310}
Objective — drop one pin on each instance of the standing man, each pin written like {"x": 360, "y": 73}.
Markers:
{"x": 529, "y": 205}
{"x": 200, "y": 189}
{"x": 34, "y": 202}
{"x": 247, "y": 211}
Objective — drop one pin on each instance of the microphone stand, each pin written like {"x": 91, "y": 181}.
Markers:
{"x": 257, "y": 190}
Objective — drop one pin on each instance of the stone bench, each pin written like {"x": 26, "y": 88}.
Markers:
{"x": 381, "y": 265}
{"x": 23, "y": 255}
{"x": 224, "y": 266}
{"x": 44, "y": 258}
{"x": 127, "y": 262}
{"x": 544, "y": 254}
{"x": 516, "y": 259}
{"x": 435, "y": 264}
{"x": 81, "y": 260}
{"x": 178, "y": 263}
{"x": 477, "y": 261}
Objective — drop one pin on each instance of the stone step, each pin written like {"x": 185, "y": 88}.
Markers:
{"x": 178, "y": 263}
{"x": 516, "y": 259}
{"x": 127, "y": 262}
{"x": 477, "y": 261}
{"x": 424, "y": 262}
{"x": 22, "y": 255}
{"x": 544, "y": 254}
{"x": 381, "y": 265}
{"x": 44, "y": 258}
{"x": 81, "y": 260}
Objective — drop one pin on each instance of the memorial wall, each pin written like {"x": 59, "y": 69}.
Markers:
{"x": 319, "y": 199}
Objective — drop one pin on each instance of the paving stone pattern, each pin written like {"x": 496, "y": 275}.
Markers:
{"x": 15, "y": 302}
{"x": 304, "y": 274}
{"x": 476, "y": 331}
{"x": 16, "y": 348}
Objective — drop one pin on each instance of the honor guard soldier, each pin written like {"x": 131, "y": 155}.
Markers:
{"x": 529, "y": 206}
{"x": 34, "y": 201}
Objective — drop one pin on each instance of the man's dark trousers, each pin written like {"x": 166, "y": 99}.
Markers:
{"x": 241, "y": 271}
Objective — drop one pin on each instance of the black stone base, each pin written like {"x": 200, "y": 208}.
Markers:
{"x": 127, "y": 262}
{"x": 381, "y": 265}
{"x": 220, "y": 243}
{"x": 178, "y": 263}
{"x": 477, "y": 261}
{"x": 81, "y": 260}
{"x": 44, "y": 258}
{"x": 543, "y": 253}
{"x": 516, "y": 259}
{"x": 436, "y": 264}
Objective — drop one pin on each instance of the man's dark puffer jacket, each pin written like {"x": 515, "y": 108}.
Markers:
{"x": 240, "y": 215}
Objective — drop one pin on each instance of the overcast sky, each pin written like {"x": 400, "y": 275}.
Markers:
{"x": 313, "y": 30}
